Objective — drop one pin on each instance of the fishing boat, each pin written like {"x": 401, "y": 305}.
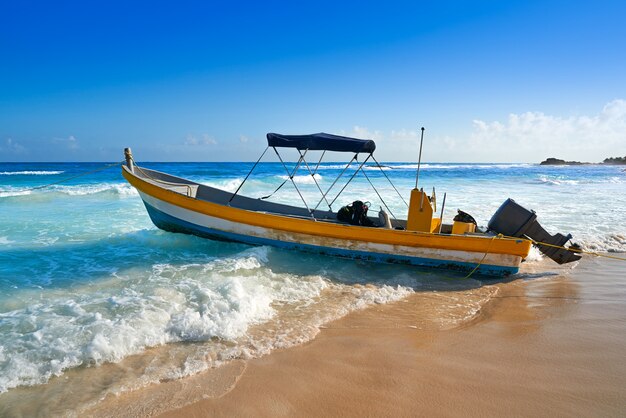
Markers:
{"x": 422, "y": 239}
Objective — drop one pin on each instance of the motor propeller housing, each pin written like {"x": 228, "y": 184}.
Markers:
{"x": 513, "y": 220}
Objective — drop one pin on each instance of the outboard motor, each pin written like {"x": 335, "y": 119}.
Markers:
{"x": 513, "y": 220}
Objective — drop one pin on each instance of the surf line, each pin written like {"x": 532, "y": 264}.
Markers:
{"x": 71, "y": 178}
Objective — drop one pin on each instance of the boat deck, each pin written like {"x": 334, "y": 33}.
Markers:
{"x": 214, "y": 195}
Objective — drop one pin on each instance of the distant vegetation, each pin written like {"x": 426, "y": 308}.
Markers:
{"x": 556, "y": 161}
{"x": 615, "y": 160}
{"x": 610, "y": 160}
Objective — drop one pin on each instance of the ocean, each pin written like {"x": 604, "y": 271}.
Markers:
{"x": 96, "y": 301}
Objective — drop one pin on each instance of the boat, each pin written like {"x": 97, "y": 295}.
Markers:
{"x": 422, "y": 239}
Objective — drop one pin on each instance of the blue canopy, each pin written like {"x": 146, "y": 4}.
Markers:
{"x": 321, "y": 141}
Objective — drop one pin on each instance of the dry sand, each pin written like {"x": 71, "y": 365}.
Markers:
{"x": 554, "y": 346}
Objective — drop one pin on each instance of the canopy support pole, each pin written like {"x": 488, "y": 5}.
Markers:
{"x": 335, "y": 182}
{"x": 378, "y": 194}
{"x": 289, "y": 175}
{"x": 244, "y": 180}
{"x": 293, "y": 182}
{"x": 319, "y": 162}
{"x": 313, "y": 176}
{"x": 388, "y": 179}
{"x": 351, "y": 178}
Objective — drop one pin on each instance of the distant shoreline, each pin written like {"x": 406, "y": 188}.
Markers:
{"x": 607, "y": 161}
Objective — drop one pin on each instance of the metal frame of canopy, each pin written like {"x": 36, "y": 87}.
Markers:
{"x": 321, "y": 142}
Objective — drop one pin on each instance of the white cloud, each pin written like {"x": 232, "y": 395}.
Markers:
{"x": 70, "y": 142}
{"x": 524, "y": 137}
{"x": 190, "y": 140}
{"x": 405, "y": 135}
{"x": 535, "y": 136}
{"x": 206, "y": 139}
{"x": 362, "y": 133}
{"x": 10, "y": 146}
{"x": 243, "y": 139}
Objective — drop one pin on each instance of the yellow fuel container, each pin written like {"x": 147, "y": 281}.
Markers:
{"x": 460, "y": 228}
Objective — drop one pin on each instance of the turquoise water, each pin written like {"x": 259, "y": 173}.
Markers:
{"x": 86, "y": 279}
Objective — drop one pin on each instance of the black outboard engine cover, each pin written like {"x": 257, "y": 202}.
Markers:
{"x": 514, "y": 220}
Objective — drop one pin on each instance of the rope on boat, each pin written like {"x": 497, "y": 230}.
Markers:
{"x": 73, "y": 177}
{"x": 575, "y": 250}
{"x": 484, "y": 256}
{"x": 541, "y": 243}
{"x": 595, "y": 254}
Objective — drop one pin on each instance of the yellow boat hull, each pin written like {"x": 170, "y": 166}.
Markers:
{"x": 177, "y": 212}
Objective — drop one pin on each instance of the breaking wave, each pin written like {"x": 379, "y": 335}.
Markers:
{"x": 427, "y": 166}
{"x": 555, "y": 181}
{"x": 30, "y": 173}
{"x": 219, "y": 300}
{"x": 561, "y": 181}
{"x": 82, "y": 190}
{"x": 304, "y": 179}
{"x": 116, "y": 189}
{"x": 611, "y": 243}
{"x": 13, "y": 193}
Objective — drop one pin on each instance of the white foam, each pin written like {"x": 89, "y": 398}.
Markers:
{"x": 377, "y": 168}
{"x": 13, "y": 193}
{"x": 556, "y": 181}
{"x": 221, "y": 298}
{"x": 427, "y": 166}
{"x": 434, "y": 166}
{"x": 230, "y": 185}
{"x": 611, "y": 243}
{"x": 30, "y": 173}
{"x": 83, "y": 190}
{"x": 560, "y": 180}
{"x": 5, "y": 241}
{"x": 500, "y": 166}
{"x": 119, "y": 189}
{"x": 335, "y": 166}
{"x": 304, "y": 179}
{"x": 534, "y": 255}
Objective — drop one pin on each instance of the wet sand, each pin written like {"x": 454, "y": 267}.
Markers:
{"x": 548, "y": 346}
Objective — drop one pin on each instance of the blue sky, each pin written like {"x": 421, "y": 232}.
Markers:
{"x": 204, "y": 81}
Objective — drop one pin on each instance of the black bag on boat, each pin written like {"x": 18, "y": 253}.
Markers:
{"x": 360, "y": 212}
{"x": 355, "y": 213}
{"x": 345, "y": 214}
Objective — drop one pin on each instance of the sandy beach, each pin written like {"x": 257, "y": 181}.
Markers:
{"x": 547, "y": 346}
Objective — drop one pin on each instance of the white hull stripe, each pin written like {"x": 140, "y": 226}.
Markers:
{"x": 381, "y": 252}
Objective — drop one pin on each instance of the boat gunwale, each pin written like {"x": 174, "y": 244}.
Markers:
{"x": 281, "y": 222}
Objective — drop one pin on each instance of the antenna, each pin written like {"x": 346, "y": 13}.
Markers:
{"x": 419, "y": 161}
